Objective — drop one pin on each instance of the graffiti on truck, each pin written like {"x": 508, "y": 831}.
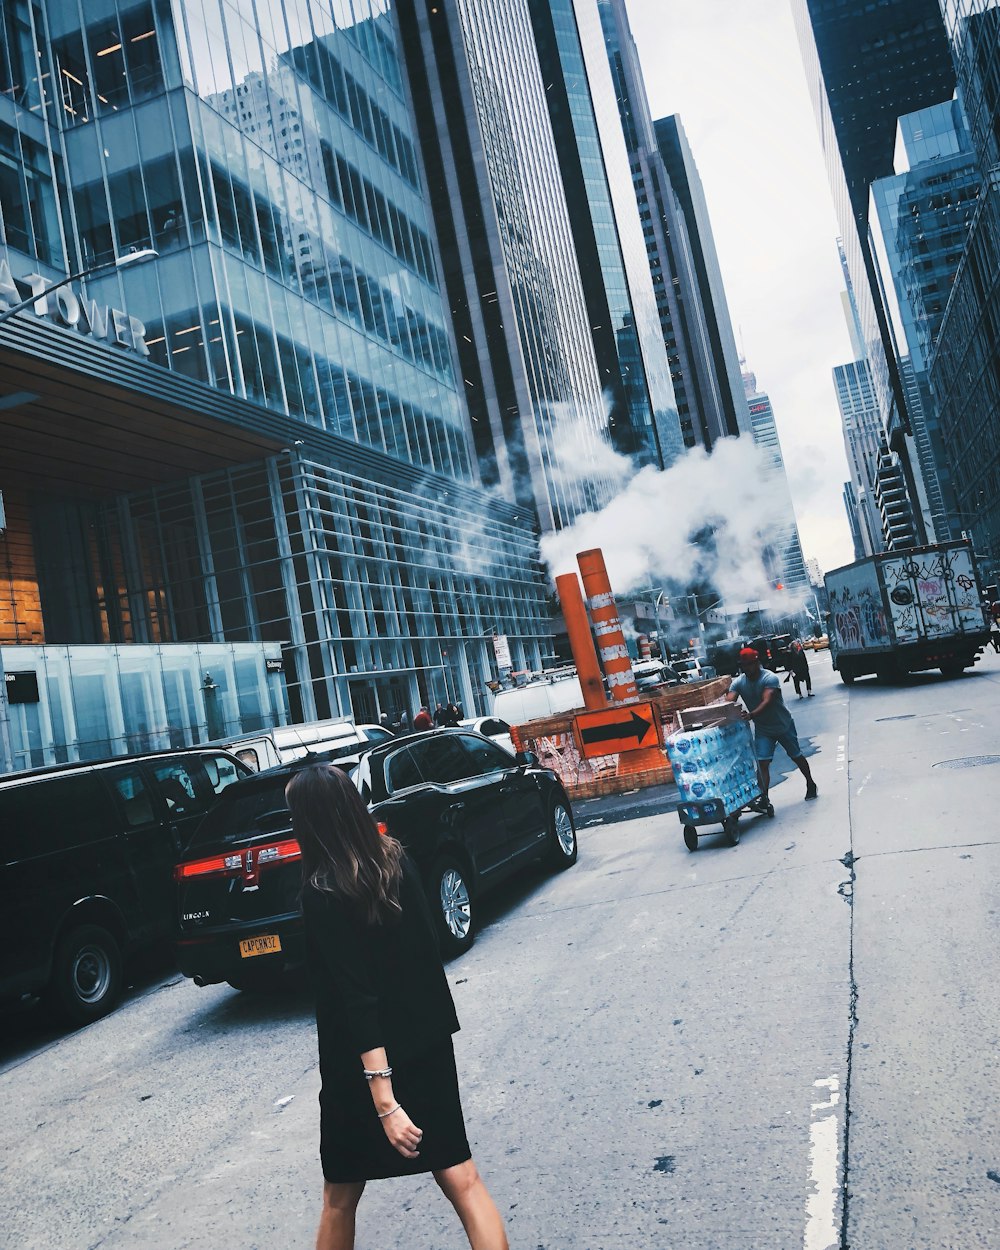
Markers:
{"x": 858, "y": 618}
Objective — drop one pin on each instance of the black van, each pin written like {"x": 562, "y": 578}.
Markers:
{"x": 87, "y": 853}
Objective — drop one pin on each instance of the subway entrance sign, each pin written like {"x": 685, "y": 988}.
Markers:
{"x": 614, "y": 730}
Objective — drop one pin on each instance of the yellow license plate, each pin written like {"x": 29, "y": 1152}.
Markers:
{"x": 267, "y": 944}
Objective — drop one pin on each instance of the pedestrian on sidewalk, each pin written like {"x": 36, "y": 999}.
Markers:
{"x": 800, "y": 670}
{"x": 423, "y": 720}
{"x": 389, "y": 1103}
{"x": 760, "y": 691}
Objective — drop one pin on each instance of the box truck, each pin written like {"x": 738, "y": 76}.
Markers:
{"x": 907, "y": 611}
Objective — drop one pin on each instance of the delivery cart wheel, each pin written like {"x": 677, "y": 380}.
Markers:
{"x": 691, "y": 837}
{"x": 731, "y": 828}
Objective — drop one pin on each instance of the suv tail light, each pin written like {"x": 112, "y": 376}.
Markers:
{"x": 246, "y": 863}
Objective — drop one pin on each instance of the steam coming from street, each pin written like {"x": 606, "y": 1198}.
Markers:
{"x": 655, "y": 532}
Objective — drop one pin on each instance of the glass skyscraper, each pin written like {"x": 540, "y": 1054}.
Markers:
{"x": 607, "y": 231}
{"x": 673, "y": 145}
{"x": 965, "y": 374}
{"x": 919, "y": 221}
{"x": 527, "y": 354}
{"x": 262, "y": 434}
{"x": 783, "y": 558}
{"x": 866, "y": 65}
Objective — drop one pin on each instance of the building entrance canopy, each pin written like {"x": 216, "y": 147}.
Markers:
{"x": 80, "y": 418}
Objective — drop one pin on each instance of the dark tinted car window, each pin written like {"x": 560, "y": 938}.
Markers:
{"x": 133, "y": 795}
{"x": 54, "y": 815}
{"x": 256, "y": 806}
{"x": 401, "y": 772}
{"x": 486, "y": 757}
{"x": 495, "y": 727}
{"x": 379, "y": 735}
{"x": 442, "y": 759}
{"x": 221, "y": 772}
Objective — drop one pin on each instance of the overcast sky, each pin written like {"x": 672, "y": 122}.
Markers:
{"x": 732, "y": 70}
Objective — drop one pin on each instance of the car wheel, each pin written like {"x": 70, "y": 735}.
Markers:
{"x": 86, "y": 975}
{"x": 563, "y": 848}
{"x": 450, "y": 897}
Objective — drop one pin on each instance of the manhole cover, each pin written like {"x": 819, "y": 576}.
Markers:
{"x": 970, "y": 761}
{"x": 906, "y": 716}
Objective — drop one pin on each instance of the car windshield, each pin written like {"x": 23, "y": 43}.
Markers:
{"x": 242, "y": 812}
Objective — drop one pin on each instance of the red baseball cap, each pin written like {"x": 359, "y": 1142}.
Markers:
{"x": 748, "y": 653}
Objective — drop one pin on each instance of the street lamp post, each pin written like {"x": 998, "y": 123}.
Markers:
{"x": 120, "y": 262}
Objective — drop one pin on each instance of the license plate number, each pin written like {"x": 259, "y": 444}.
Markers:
{"x": 267, "y": 944}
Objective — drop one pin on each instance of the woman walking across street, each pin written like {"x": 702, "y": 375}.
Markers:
{"x": 389, "y": 1104}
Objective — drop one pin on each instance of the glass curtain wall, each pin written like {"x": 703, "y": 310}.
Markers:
{"x": 266, "y": 153}
{"x": 384, "y": 595}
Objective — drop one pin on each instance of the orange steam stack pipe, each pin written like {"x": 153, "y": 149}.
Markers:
{"x": 580, "y": 640}
{"x": 607, "y": 626}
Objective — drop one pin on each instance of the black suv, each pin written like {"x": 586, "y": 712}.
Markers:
{"x": 87, "y": 853}
{"x": 468, "y": 812}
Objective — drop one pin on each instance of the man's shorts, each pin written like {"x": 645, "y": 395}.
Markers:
{"x": 764, "y": 745}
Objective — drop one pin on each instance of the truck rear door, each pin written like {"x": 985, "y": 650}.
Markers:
{"x": 933, "y": 594}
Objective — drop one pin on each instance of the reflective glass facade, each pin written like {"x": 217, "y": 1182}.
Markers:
{"x": 678, "y": 158}
{"x": 87, "y": 702}
{"x": 785, "y": 562}
{"x": 965, "y": 372}
{"x": 269, "y": 158}
{"x": 606, "y": 228}
{"x": 919, "y": 221}
{"x": 683, "y": 324}
{"x": 268, "y": 153}
{"x": 523, "y": 335}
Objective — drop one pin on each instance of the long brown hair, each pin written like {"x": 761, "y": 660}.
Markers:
{"x": 343, "y": 852}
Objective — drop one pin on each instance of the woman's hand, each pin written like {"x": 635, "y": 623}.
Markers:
{"x": 403, "y": 1133}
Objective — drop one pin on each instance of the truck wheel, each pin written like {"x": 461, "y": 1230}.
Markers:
{"x": 86, "y": 975}
{"x": 953, "y": 669}
{"x": 847, "y": 676}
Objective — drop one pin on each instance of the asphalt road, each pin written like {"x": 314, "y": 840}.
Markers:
{"x": 789, "y": 1043}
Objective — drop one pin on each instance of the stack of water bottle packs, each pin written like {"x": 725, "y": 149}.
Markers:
{"x": 715, "y": 762}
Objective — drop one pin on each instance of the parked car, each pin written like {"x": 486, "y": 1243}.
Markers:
{"x": 654, "y": 675}
{"x": 491, "y": 727}
{"x": 86, "y": 859}
{"x": 271, "y": 747}
{"x": 468, "y": 812}
{"x": 688, "y": 668}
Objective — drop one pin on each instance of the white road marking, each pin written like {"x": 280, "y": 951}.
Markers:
{"x": 868, "y": 778}
{"x": 821, "y": 1232}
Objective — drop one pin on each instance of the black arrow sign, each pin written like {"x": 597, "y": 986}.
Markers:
{"x": 635, "y": 727}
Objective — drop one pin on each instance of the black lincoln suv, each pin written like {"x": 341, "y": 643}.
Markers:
{"x": 467, "y": 810}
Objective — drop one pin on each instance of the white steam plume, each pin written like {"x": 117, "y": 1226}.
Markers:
{"x": 648, "y": 531}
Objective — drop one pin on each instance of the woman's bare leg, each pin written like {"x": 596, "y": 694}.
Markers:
{"x": 463, "y": 1187}
{"x": 336, "y": 1224}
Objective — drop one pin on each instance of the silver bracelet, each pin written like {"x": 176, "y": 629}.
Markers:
{"x": 382, "y": 1114}
{"x": 370, "y": 1076}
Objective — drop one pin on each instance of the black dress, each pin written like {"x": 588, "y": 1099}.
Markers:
{"x": 383, "y": 985}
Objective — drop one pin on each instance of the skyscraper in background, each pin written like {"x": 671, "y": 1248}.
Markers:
{"x": 919, "y": 222}
{"x": 671, "y": 259}
{"x": 261, "y": 434}
{"x": 525, "y": 346}
{"x": 675, "y": 150}
{"x": 863, "y": 440}
{"x": 607, "y": 232}
{"x": 964, "y": 372}
{"x": 784, "y": 561}
{"x": 867, "y": 65}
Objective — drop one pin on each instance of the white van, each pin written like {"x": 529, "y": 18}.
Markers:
{"x": 546, "y": 697}
{"x": 332, "y": 738}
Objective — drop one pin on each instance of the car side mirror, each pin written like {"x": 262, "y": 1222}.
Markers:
{"x": 527, "y": 758}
